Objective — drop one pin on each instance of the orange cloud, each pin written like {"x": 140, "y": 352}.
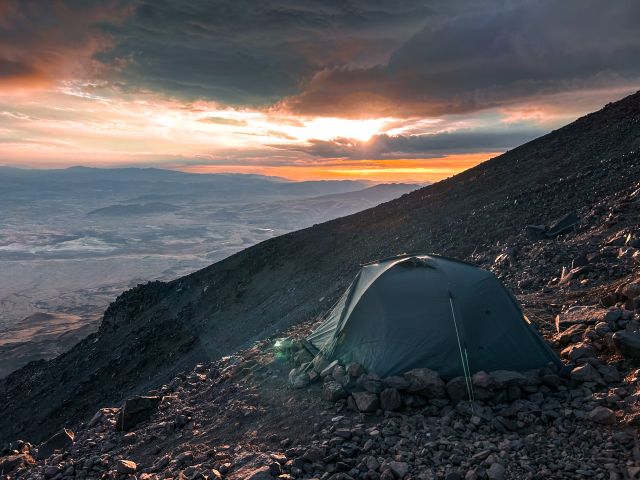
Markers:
{"x": 42, "y": 44}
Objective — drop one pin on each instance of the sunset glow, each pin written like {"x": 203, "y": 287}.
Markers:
{"x": 99, "y": 86}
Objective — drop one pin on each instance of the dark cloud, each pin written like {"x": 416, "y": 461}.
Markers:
{"x": 383, "y": 147}
{"x": 254, "y": 53}
{"x": 488, "y": 57}
{"x": 43, "y": 42}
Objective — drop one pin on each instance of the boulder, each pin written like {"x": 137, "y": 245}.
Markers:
{"x": 586, "y": 373}
{"x": 60, "y": 441}
{"x": 578, "y": 351}
{"x": 370, "y": 382}
{"x": 602, "y": 415}
{"x": 496, "y": 471}
{"x": 508, "y": 378}
{"x": 328, "y": 370}
{"x": 390, "y": 399}
{"x": 631, "y": 290}
{"x": 12, "y": 462}
{"x": 136, "y": 410}
{"x": 628, "y": 343}
{"x": 298, "y": 378}
{"x": 413, "y": 401}
{"x": 396, "y": 381}
{"x": 457, "y": 389}
{"x": 425, "y": 382}
{"x": 332, "y": 391}
{"x": 610, "y": 373}
{"x": 570, "y": 335}
{"x": 126, "y": 467}
{"x": 366, "y": 401}
{"x": 399, "y": 469}
{"x": 482, "y": 379}
{"x": 354, "y": 369}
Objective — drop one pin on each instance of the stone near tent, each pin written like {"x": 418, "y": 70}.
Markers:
{"x": 578, "y": 351}
{"x": 366, "y": 401}
{"x": 136, "y": 410}
{"x": 319, "y": 363}
{"x": 482, "y": 379}
{"x": 332, "y": 391}
{"x": 396, "y": 381}
{"x": 60, "y": 441}
{"x": 572, "y": 334}
{"x": 457, "y": 389}
{"x": 328, "y": 369}
{"x": 627, "y": 343}
{"x": 412, "y": 400}
{"x": 354, "y": 369}
{"x": 390, "y": 399}
{"x": 586, "y": 373}
{"x": 508, "y": 378}
{"x": 425, "y": 382}
{"x": 370, "y": 382}
{"x": 298, "y": 378}
{"x": 339, "y": 374}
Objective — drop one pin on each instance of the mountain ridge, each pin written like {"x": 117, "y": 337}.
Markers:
{"x": 157, "y": 329}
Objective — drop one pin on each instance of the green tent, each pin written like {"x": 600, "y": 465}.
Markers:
{"x": 430, "y": 311}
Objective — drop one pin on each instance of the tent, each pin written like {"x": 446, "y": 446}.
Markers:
{"x": 430, "y": 311}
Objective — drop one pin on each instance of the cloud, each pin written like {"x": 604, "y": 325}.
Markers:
{"x": 42, "y": 44}
{"x": 254, "y": 53}
{"x": 489, "y": 57}
{"x": 389, "y": 147}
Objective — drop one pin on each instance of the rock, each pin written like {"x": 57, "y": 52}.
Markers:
{"x": 319, "y": 363}
{"x": 628, "y": 343}
{"x": 60, "y": 441}
{"x": 299, "y": 378}
{"x": 457, "y": 389}
{"x": 482, "y": 379}
{"x": 414, "y": 401}
{"x": 354, "y": 369}
{"x": 425, "y": 382}
{"x": 610, "y": 373}
{"x": 328, "y": 370}
{"x": 586, "y": 373}
{"x": 275, "y": 469}
{"x": 396, "y": 381}
{"x": 571, "y": 334}
{"x": 399, "y": 469}
{"x": 602, "y": 415}
{"x": 51, "y": 471}
{"x": 631, "y": 290}
{"x": 260, "y": 473}
{"x": 370, "y": 382}
{"x": 332, "y": 391}
{"x": 390, "y": 399}
{"x": 578, "y": 351}
{"x": 496, "y": 471}
{"x": 508, "y": 378}
{"x": 136, "y": 410}
{"x": 12, "y": 462}
{"x": 366, "y": 401}
{"x": 126, "y": 467}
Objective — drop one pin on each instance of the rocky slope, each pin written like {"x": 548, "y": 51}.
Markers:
{"x": 154, "y": 331}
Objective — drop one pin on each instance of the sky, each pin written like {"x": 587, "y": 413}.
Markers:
{"x": 399, "y": 90}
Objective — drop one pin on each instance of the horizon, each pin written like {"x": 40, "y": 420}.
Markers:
{"x": 416, "y": 92}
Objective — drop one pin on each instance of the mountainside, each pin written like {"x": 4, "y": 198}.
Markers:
{"x": 155, "y": 330}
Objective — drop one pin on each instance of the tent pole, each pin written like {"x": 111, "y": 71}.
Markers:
{"x": 463, "y": 354}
